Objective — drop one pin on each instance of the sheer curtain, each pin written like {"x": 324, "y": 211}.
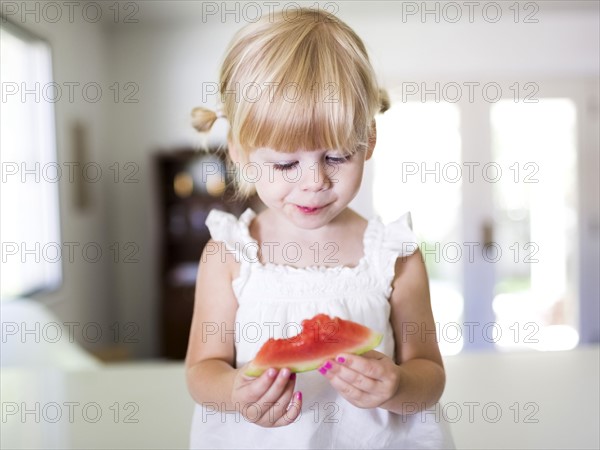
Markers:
{"x": 30, "y": 228}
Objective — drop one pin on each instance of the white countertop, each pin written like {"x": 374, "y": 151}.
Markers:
{"x": 547, "y": 400}
{"x": 493, "y": 400}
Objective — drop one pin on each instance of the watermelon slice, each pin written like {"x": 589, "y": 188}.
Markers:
{"x": 322, "y": 338}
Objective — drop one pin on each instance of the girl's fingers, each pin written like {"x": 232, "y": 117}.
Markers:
{"x": 365, "y": 382}
{"x": 274, "y": 411}
{"x": 369, "y": 366}
{"x": 271, "y": 393}
{"x": 257, "y": 387}
{"x": 277, "y": 387}
{"x": 352, "y": 377}
{"x": 291, "y": 412}
{"x": 347, "y": 390}
{"x": 374, "y": 354}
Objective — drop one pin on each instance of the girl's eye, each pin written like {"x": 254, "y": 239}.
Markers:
{"x": 283, "y": 166}
{"x": 338, "y": 160}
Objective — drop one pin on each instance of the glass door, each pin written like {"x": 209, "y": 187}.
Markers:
{"x": 500, "y": 196}
{"x": 535, "y": 223}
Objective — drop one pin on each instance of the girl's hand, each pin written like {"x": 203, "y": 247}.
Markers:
{"x": 366, "y": 381}
{"x": 267, "y": 400}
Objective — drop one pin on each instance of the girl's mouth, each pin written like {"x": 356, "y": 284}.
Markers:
{"x": 308, "y": 210}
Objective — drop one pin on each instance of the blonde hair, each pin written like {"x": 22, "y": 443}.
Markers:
{"x": 291, "y": 83}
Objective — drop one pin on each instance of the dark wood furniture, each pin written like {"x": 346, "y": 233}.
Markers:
{"x": 191, "y": 183}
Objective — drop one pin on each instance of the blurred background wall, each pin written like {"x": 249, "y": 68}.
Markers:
{"x": 162, "y": 59}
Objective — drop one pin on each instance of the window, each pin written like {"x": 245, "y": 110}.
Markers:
{"x": 536, "y": 219}
{"x": 417, "y": 169}
{"x": 29, "y": 199}
{"x": 495, "y": 202}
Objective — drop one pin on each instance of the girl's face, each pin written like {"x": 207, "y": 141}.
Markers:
{"x": 308, "y": 188}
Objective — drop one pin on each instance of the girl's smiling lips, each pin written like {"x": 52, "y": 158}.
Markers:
{"x": 310, "y": 209}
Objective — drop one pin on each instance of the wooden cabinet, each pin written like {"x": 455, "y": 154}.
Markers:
{"x": 191, "y": 183}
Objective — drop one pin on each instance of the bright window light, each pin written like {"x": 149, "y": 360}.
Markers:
{"x": 417, "y": 169}
{"x": 536, "y": 220}
{"x": 29, "y": 203}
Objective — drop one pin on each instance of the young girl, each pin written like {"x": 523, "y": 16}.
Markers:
{"x": 300, "y": 96}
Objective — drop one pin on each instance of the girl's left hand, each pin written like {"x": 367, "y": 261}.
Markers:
{"x": 366, "y": 381}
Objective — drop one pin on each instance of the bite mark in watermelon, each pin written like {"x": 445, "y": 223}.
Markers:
{"x": 322, "y": 338}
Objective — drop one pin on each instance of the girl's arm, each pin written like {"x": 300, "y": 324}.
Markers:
{"x": 420, "y": 370}
{"x": 211, "y": 378}
{"x": 211, "y": 353}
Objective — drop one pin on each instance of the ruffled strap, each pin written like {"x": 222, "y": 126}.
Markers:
{"x": 389, "y": 242}
{"x": 234, "y": 232}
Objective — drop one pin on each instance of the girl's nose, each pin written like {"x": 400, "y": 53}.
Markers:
{"x": 316, "y": 177}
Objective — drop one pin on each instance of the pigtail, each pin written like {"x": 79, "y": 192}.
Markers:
{"x": 203, "y": 118}
{"x": 384, "y": 101}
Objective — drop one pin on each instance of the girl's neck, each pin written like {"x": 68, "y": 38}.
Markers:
{"x": 269, "y": 225}
{"x": 343, "y": 236}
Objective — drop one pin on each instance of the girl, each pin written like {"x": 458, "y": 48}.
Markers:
{"x": 300, "y": 96}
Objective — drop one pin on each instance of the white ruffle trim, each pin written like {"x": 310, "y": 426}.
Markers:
{"x": 383, "y": 244}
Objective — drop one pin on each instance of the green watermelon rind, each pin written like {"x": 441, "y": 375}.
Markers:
{"x": 374, "y": 341}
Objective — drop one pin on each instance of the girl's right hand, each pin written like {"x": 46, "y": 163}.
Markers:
{"x": 267, "y": 400}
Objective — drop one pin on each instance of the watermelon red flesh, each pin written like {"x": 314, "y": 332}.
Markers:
{"x": 322, "y": 338}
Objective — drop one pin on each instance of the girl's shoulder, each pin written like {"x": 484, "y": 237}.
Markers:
{"x": 226, "y": 227}
{"x": 229, "y": 238}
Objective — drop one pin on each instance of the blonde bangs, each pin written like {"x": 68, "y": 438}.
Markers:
{"x": 303, "y": 124}
{"x": 300, "y": 84}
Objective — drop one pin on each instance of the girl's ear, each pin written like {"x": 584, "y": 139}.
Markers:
{"x": 372, "y": 140}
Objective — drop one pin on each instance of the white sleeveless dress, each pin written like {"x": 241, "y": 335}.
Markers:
{"x": 273, "y": 300}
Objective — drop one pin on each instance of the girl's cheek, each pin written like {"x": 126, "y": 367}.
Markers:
{"x": 274, "y": 186}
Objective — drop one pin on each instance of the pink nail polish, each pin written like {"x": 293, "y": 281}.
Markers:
{"x": 323, "y": 370}
{"x": 299, "y": 395}
{"x": 293, "y": 376}
{"x": 328, "y": 365}
{"x": 341, "y": 359}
